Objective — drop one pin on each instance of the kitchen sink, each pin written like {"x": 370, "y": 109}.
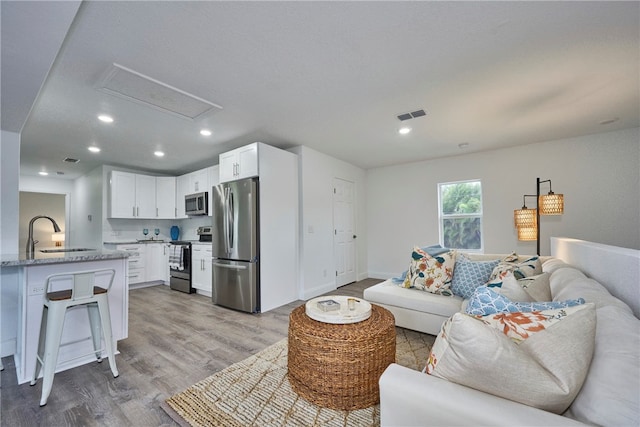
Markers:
{"x": 50, "y": 251}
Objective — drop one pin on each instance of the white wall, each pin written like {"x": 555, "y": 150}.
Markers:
{"x": 317, "y": 171}
{"x": 599, "y": 176}
{"x": 36, "y": 184}
{"x": 86, "y": 212}
{"x": 9, "y": 176}
{"x": 33, "y": 204}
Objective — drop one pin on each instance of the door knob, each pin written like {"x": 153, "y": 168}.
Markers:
{"x": 354, "y": 236}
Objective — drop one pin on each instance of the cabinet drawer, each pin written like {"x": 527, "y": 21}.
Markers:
{"x": 135, "y": 262}
{"x": 135, "y": 275}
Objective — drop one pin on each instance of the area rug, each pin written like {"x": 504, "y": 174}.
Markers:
{"x": 256, "y": 392}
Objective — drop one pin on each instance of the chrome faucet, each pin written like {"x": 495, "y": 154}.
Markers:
{"x": 31, "y": 244}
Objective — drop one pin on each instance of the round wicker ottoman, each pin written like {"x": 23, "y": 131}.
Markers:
{"x": 338, "y": 366}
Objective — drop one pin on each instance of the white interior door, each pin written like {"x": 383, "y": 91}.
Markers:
{"x": 344, "y": 235}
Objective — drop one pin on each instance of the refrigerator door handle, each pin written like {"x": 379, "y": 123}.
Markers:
{"x": 231, "y": 267}
{"x": 232, "y": 225}
{"x": 225, "y": 221}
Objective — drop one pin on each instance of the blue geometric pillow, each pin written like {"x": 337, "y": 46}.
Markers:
{"x": 484, "y": 301}
{"x": 468, "y": 275}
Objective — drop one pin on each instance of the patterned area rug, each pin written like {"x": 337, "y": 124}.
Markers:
{"x": 256, "y": 392}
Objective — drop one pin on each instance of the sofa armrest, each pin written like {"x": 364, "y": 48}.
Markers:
{"x": 412, "y": 398}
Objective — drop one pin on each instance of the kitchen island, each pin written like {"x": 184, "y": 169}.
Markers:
{"x": 22, "y": 296}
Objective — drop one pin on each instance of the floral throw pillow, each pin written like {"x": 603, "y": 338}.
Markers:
{"x": 520, "y": 270}
{"x": 430, "y": 273}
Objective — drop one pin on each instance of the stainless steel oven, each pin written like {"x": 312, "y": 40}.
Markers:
{"x": 180, "y": 266}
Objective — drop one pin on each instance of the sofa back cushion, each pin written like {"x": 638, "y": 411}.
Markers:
{"x": 610, "y": 395}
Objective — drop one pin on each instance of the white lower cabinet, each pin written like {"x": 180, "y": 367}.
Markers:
{"x": 157, "y": 262}
{"x": 148, "y": 262}
{"x": 201, "y": 268}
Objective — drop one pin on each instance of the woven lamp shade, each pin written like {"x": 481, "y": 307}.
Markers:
{"x": 527, "y": 233}
{"x": 524, "y": 218}
{"x": 551, "y": 204}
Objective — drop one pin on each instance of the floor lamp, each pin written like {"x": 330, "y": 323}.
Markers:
{"x": 527, "y": 221}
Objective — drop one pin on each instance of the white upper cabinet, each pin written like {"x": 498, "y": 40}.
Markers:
{"x": 132, "y": 195}
{"x": 122, "y": 195}
{"x": 239, "y": 163}
{"x": 145, "y": 196}
{"x": 166, "y": 197}
{"x": 199, "y": 181}
{"x": 182, "y": 189}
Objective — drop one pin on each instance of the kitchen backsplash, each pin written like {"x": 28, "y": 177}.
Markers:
{"x": 116, "y": 230}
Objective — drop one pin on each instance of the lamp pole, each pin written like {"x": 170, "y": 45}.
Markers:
{"x": 538, "y": 216}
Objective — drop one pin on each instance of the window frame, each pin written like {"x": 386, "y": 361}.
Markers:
{"x": 442, "y": 216}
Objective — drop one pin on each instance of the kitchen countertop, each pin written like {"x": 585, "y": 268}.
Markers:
{"x": 133, "y": 242}
{"x": 18, "y": 260}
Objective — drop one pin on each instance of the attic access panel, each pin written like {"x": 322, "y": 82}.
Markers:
{"x": 137, "y": 87}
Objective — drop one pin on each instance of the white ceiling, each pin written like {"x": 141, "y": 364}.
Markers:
{"x": 332, "y": 76}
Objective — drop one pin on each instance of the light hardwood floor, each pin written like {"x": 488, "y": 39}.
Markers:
{"x": 175, "y": 340}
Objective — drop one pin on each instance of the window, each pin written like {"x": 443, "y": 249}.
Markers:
{"x": 460, "y": 213}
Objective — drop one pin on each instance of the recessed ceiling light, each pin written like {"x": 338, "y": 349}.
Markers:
{"x": 158, "y": 153}
{"x": 43, "y": 173}
{"x": 105, "y": 118}
{"x": 404, "y": 129}
{"x": 205, "y": 132}
{"x": 94, "y": 149}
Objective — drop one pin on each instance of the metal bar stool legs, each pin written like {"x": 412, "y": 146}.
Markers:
{"x": 53, "y": 315}
{"x": 105, "y": 320}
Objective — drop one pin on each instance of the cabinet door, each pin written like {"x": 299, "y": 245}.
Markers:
{"x": 145, "y": 196}
{"x": 227, "y": 166}
{"x": 247, "y": 161}
{"x": 122, "y": 196}
{"x": 154, "y": 266}
{"x": 206, "y": 270}
{"x": 182, "y": 189}
{"x": 165, "y": 197}
{"x": 198, "y": 181}
{"x": 198, "y": 279}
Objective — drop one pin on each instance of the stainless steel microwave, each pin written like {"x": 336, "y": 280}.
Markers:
{"x": 196, "y": 204}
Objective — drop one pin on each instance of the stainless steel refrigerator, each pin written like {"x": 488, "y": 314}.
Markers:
{"x": 235, "y": 269}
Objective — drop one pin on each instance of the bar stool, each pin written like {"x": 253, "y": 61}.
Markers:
{"x": 56, "y": 303}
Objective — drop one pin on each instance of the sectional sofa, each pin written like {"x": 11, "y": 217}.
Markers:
{"x": 592, "y": 369}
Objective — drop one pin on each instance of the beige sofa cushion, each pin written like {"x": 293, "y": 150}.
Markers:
{"x": 545, "y": 370}
{"x": 391, "y": 294}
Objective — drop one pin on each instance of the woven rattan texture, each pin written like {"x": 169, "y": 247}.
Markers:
{"x": 338, "y": 366}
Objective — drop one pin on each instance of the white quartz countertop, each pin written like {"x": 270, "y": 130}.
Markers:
{"x": 133, "y": 242}
{"x": 17, "y": 260}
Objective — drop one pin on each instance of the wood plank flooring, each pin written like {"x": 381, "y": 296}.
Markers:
{"x": 175, "y": 340}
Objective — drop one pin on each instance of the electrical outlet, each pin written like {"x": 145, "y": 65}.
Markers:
{"x": 37, "y": 290}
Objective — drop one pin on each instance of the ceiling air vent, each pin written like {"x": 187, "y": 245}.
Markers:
{"x": 70, "y": 160}
{"x": 412, "y": 115}
{"x": 136, "y": 87}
